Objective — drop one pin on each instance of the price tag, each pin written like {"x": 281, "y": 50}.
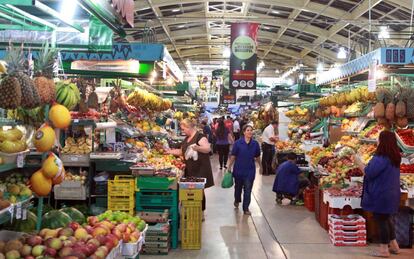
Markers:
{"x": 20, "y": 161}
{"x": 19, "y": 211}
{"x": 76, "y": 120}
{"x": 24, "y": 214}
{"x": 11, "y": 211}
{"x": 74, "y": 159}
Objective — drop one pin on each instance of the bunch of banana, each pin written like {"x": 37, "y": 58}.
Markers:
{"x": 77, "y": 146}
{"x": 34, "y": 117}
{"x": 67, "y": 94}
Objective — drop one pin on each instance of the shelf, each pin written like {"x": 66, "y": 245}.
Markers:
{"x": 82, "y": 122}
{"x": 7, "y": 122}
{"x": 7, "y": 167}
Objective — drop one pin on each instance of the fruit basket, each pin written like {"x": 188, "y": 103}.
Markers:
{"x": 130, "y": 249}
{"x": 406, "y": 139}
{"x": 192, "y": 183}
{"x": 116, "y": 252}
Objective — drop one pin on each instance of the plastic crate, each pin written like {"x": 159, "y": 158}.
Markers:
{"x": 130, "y": 249}
{"x": 348, "y": 233}
{"x": 154, "y": 216}
{"x": 309, "y": 198}
{"x": 157, "y": 244}
{"x": 155, "y": 251}
{"x": 157, "y": 183}
{"x": 191, "y": 195}
{"x": 149, "y": 239}
{"x": 75, "y": 160}
{"x": 191, "y": 220}
{"x": 121, "y": 204}
{"x": 122, "y": 185}
{"x": 349, "y": 220}
{"x": 69, "y": 193}
{"x": 159, "y": 229}
{"x": 102, "y": 201}
{"x": 159, "y": 198}
{"x": 192, "y": 185}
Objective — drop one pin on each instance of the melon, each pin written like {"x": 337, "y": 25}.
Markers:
{"x": 51, "y": 166}
{"x": 44, "y": 138}
{"x": 60, "y": 117}
{"x": 55, "y": 219}
{"x": 41, "y": 185}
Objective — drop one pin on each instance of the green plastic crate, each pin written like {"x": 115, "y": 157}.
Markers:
{"x": 156, "y": 198}
{"x": 156, "y": 183}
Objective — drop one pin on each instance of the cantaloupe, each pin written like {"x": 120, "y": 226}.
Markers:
{"x": 44, "y": 138}
{"x": 60, "y": 117}
{"x": 40, "y": 185}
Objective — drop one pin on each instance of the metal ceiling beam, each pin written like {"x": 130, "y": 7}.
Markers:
{"x": 17, "y": 11}
{"x": 355, "y": 14}
{"x": 24, "y": 25}
{"x": 57, "y": 15}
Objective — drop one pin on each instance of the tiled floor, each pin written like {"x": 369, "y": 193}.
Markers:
{"x": 272, "y": 232}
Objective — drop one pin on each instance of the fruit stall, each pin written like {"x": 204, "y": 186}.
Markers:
{"x": 352, "y": 116}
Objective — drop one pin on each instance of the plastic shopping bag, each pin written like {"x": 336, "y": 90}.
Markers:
{"x": 227, "y": 181}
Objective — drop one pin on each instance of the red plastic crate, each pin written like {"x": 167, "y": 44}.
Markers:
{"x": 348, "y": 233}
{"x": 348, "y": 241}
{"x": 309, "y": 198}
{"x": 348, "y": 220}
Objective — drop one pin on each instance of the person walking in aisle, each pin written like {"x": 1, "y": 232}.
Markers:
{"x": 229, "y": 124}
{"x": 243, "y": 155}
{"x": 381, "y": 190}
{"x": 236, "y": 129}
{"x": 224, "y": 138}
{"x": 214, "y": 126}
{"x": 199, "y": 143}
{"x": 269, "y": 138}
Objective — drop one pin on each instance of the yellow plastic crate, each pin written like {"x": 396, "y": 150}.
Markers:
{"x": 191, "y": 220}
{"x": 191, "y": 195}
{"x": 121, "y": 204}
{"x": 122, "y": 185}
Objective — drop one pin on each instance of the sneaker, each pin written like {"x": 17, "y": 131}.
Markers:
{"x": 236, "y": 205}
{"x": 247, "y": 212}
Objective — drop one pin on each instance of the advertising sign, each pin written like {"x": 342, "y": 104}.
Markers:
{"x": 243, "y": 59}
{"x": 220, "y": 78}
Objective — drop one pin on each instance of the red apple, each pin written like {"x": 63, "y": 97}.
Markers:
{"x": 92, "y": 220}
{"x": 29, "y": 257}
{"x": 91, "y": 248}
{"x": 132, "y": 226}
{"x": 101, "y": 239}
{"x": 54, "y": 243}
{"x": 110, "y": 245}
{"x": 50, "y": 252}
{"x": 66, "y": 251}
{"x": 26, "y": 250}
{"x": 74, "y": 225}
{"x": 113, "y": 238}
{"x": 66, "y": 232}
{"x": 78, "y": 255}
{"x": 89, "y": 229}
{"x": 107, "y": 223}
{"x": 117, "y": 233}
{"x": 34, "y": 240}
{"x": 126, "y": 237}
{"x": 95, "y": 242}
{"x": 122, "y": 227}
{"x": 101, "y": 230}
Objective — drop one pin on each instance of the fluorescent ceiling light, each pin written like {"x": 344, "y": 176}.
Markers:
{"x": 277, "y": 71}
{"x": 341, "y": 53}
{"x": 320, "y": 67}
{"x": 68, "y": 9}
{"x": 301, "y": 76}
{"x": 275, "y": 11}
{"x": 226, "y": 52}
{"x": 384, "y": 33}
{"x": 181, "y": 26}
{"x": 176, "y": 10}
{"x": 266, "y": 28}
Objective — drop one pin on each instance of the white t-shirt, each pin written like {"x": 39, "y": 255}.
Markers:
{"x": 236, "y": 126}
{"x": 268, "y": 132}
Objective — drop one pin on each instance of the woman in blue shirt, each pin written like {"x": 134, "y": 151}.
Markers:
{"x": 245, "y": 151}
{"x": 381, "y": 194}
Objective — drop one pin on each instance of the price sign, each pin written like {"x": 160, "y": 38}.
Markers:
{"x": 19, "y": 211}
{"x": 20, "y": 161}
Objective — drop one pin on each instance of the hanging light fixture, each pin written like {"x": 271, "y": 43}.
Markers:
{"x": 319, "y": 68}
{"x": 301, "y": 76}
{"x": 341, "y": 53}
{"x": 226, "y": 52}
{"x": 384, "y": 33}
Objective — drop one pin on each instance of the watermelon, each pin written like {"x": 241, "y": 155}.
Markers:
{"x": 75, "y": 214}
{"x": 55, "y": 219}
{"x": 26, "y": 226}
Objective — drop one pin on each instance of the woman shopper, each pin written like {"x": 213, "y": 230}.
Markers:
{"x": 381, "y": 191}
{"x": 223, "y": 139}
{"x": 243, "y": 155}
{"x": 199, "y": 143}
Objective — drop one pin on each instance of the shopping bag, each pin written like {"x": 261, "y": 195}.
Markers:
{"x": 227, "y": 181}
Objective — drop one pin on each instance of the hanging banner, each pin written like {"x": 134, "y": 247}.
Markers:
{"x": 372, "y": 77}
{"x": 243, "y": 59}
{"x": 220, "y": 77}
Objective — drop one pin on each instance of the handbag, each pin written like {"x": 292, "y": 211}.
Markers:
{"x": 227, "y": 181}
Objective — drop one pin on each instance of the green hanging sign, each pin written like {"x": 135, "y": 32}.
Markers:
{"x": 100, "y": 36}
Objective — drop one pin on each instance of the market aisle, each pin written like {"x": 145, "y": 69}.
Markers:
{"x": 227, "y": 233}
{"x": 298, "y": 232}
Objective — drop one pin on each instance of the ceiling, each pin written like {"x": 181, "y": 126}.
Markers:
{"x": 291, "y": 31}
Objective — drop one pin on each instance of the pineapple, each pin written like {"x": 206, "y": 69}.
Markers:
{"x": 10, "y": 93}
{"x": 16, "y": 66}
{"x": 410, "y": 103}
{"x": 44, "y": 74}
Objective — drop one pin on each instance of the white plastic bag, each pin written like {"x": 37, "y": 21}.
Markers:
{"x": 190, "y": 153}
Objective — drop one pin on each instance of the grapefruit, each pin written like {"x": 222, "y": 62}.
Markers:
{"x": 41, "y": 185}
{"x": 59, "y": 115}
{"x": 44, "y": 138}
{"x": 51, "y": 166}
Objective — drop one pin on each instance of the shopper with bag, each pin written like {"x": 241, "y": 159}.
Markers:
{"x": 269, "y": 138}
{"x": 244, "y": 153}
{"x": 224, "y": 138}
{"x": 195, "y": 141}
{"x": 381, "y": 190}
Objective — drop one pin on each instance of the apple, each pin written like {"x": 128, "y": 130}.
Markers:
{"x": 67, "y": 243}
{"x": 117, "y": 233}
{"x": 89, "y": 229}
{"x": 38, "y": 250}
{"x": 54, "y": 243}
{"x": 67, "y": 232}
{"x": 81, "y": 234}
{"x": 94, "y": 241}
{"x": 74, "y": 226}
{"x": 95, "y": 256}
{"x": 110, "y": 245}
{"x": 50, "y": 252}
{"x": 101, "y": 239}
{"x": 92, "y": 220}
{"x": 132, "y": 226}
{"x": 34, "y": 240}
{"x": 69, "y": 257}
{"x": 113, "y": 238}
{"x": 72, "y": 239}
{"x": 107, "y": 224}
{"x": 29, "y": 257}
{"x": 122, "y": 227}
{"x": 63, "y": 238}
{"x": 66, "y": 251}
{"x": 92, "y": 248}
{"x": 78, "y": 254}
{"x": 51, "y": 233}
{"x": 102, "y": 250}
{"x": 26, "y": 250}
{"x": 126, "y": 237}
{"x": 128, "y": 230}
{"x": 99, "y": 231}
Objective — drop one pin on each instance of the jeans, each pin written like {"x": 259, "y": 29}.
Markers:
{"x": 246, "y": 185}
{"x": 386, "y": 227}
{"x": 267, "y": 157}
{"x": 223, "y": 151}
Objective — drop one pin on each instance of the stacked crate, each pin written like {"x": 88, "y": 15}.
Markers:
{"x": 157, "y": 239}
{"x": 191, "y": 218}
{"x": 347, "y": 230}
{"x": 121, "y": 194}
{"x": 152, "y": 200}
